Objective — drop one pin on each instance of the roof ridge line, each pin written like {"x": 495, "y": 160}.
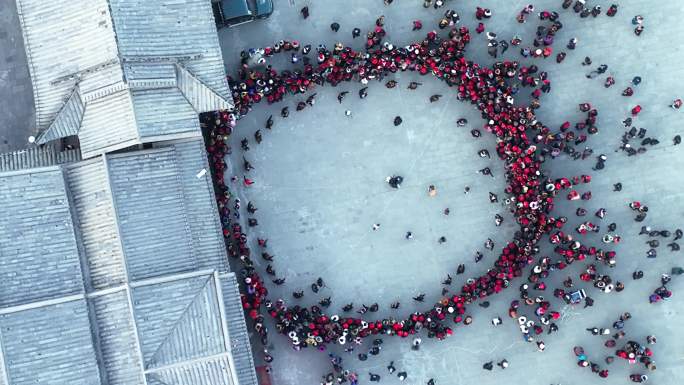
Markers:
{"x": 116, "y": 41}
{"x": 181, "y": 66}
{"x": 175, "y": 325}
{"x": 75, "y": 95}
{"x": 187, "y": 362}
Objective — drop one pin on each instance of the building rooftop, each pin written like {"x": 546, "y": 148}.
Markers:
{"x": 154, "y": 65}
{"x": 113, "y": 271}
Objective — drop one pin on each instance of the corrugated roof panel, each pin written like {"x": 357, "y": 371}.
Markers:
{"x": 237, "y": 331}
{"x": 63, "y": 38}
{"x": 135, "y": 71}
{"x": 215, "y": 371}
{"x": 41, "y": 156}
{"x": 163, "y": 111}
{"x": 117, "y": 340}
{"x": 106, "y": 122}
{"x": 159, "y": 307}
{"x": 197, "y": 333}
{"x": 205, "y": 224}
{"x": 211, "y": 70}
{"x": 96, "y": 222}
{"x": 38, "y": 254}
{"x": 165, "y": 28}
{"x": 67, "y": 122}
{"x": 202, "y": 98}
{"x": 152, "y": 218}
{"x": 50, "y": 345}
{"x": 108, "y": 75}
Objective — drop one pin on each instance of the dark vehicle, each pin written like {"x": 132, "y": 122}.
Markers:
{"x": 229, "y": 13}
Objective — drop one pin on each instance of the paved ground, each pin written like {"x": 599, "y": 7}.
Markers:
{"x": 319, "y": 188}
{"x": 17, "y": 116}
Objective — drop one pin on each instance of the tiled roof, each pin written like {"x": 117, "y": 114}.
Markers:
{"x": 237, "y": 330}
{"x": 39, "y": 156}
{"x": 63, "y": 38}
{"x": 68, "y": 119}
{"x": 91, "y": 198}
{"x": 152, "y": 64}
{"x": 39, "y": 256}
{"x": 188, "y": 328}
{"x": 147, "y": 30}
{"x": 49, "y": 345}
{"x": 108, "y": 123}
{"x": 208, "y": 246}
{"x": 163, "y": 111}
{"x": 116, "y": 332}
{"x": 154, "y": 303}
{"x": 212, "y": 371}
{"x": 151, "y": 214}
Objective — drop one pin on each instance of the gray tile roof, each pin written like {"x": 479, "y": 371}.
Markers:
{"x": 205, "y": 226}
{"x": 163, "y": 112}
{"x": 201, "y": 95}
{"x": 212, "y": 371}
{"x": 119, "y": 200}
{"x": 68, "y": 118}
{"x": 91, "y": 199}
{"x": 237, "y": 330}
{"x": 144, "y": 313}
{"x": 150, "y": 209}
{"x": 49, "y": 345}
{"x": 100, "y": 131}
{"x": 188, "y": 328}
{"x": 153, "y": 64}
{"x": 151, "y": 29}
{"x": 62, "y": 38}
{"x": 117, "y": 339}
{"x": 39, "y": 156}
{"x": 39, "y": 256}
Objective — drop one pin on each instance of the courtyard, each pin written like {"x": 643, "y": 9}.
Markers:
{"x": 320, "y": 187}
{"x": 17, "y": 116}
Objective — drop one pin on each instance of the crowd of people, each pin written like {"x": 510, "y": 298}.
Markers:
{"x": 487, "y": 89}
{"x": 631, "y": 351}
{"x": 523, "y": 144}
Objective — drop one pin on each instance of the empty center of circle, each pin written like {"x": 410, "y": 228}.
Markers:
{"x": 320, "y": 187}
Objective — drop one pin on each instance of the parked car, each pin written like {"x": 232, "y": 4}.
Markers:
{"x": 229, "y": 13}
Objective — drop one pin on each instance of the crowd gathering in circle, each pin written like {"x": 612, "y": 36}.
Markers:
{"x": 523, "y": 143}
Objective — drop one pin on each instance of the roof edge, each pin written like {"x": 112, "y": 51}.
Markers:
{"x": 107, "y": 149}
{"x": 68, "y": 120}
{"x": 194, "y": 88}
{"x": 35, "y": 170}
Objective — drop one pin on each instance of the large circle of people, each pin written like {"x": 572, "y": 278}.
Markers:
{"x": 520, "y": 139}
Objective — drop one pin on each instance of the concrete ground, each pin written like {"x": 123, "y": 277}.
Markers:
{"x": 320, "y": 187}
{"x": 17, "y": 115}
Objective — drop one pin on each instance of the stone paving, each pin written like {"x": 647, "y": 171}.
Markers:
{"x": 320, "y": 187}
{"x": 17, "y": 115}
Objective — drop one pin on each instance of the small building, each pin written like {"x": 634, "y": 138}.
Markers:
{"x": 113, "y": 271}
{"x": 119, "y": 73}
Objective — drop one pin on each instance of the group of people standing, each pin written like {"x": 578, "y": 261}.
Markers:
{"x": 523, "y": 144}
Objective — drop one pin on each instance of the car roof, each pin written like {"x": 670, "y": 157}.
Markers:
{"x": 264, "y": 7}
{"x": 235, "y": 8}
